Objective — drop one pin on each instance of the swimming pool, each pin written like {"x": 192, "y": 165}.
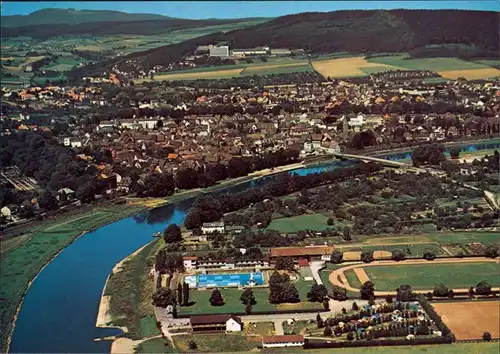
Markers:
{"x": 223, "y": 280}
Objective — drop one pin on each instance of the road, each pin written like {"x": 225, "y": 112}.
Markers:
{"x": 315, "y": 267}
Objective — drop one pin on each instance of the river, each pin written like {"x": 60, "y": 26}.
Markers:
{"x": 60, "y": 309}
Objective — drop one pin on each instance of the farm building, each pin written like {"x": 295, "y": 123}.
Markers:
{"x": 282, "y": 341}
{"x": 308, "y": 252}
{"x": 228, "y": 323}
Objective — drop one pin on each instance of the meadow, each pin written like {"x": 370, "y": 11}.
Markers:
{"x": 451, "y": 68}
{"x": 299, "y": 222}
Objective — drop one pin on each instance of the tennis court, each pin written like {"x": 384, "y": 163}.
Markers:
{"x": 223, "y": 280}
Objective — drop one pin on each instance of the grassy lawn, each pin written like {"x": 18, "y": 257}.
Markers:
{"x": 300, "y": 222}
{"x": 298, "y": 327}
{"x": 259, "y": 329}
{"x": 433, "y": 64}
{"x": 458, "y": 348}
{"x": 220, "y": 342}
{"x": 427, "y": 275}
{"x": 232, "y": 303}
{"x": 26, "y": 260}
{"x": 465, "y": 237}
{"x": 11, "y": 244}
{"x": 352, "y": 278}
{"x": 130, "y": 289}
{"x": 156, "y": 345}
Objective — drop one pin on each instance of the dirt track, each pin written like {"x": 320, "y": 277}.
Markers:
{"x": 338, "y": 278}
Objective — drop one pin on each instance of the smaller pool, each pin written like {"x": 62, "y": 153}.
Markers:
{"x": 221, "y": 280}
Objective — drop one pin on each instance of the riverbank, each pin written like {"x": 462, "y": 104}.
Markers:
{"x": 43, "y": 246}
{"x": 104, "y": 317}
{"x": 126, "y": 297}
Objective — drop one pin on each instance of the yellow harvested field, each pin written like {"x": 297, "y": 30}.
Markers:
{"x": 352, "y": 256}
{"x": 382, "y": 254}
{"x": 345, "y": 67}
{"x": 473, "y": 74}
{"x": 200, "y": 75}
{"x": 280, "y": 65}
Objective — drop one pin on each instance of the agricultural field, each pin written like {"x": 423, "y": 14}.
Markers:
{"x": 451, "y": 68}
{"x": 350, "y": 67}
{"x": 300, "y": 222}
{"x": 426, "y": 276}
{"x": 469, "y": 320}
{"x": 276, "y": 65}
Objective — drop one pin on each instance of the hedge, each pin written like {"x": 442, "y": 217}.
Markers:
{"x": 433, "y": 315}
{"x": 376, "y": 343}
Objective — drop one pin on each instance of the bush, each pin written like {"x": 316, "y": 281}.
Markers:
{"x": 192, "y": 344}
{"x": 350, "y": 336}
{"x": 398, "y": 255}
{"x": 483, "y": 288}
{"x": 491, "y": 251}
{"x": 336, "y": 256}
{"x": 330, "y": 222}
{"x": 338, "y": 293}
{"x": 429, "y": 255}
{"x": 389, "y": 299}
{"x": 487, "y": 336}
{"x": 327, "y": 332}
{"x": 367, "y": 256}
{"x": 355, "y": 306}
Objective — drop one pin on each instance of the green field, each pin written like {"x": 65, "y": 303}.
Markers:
{"x": 443, "y": 238}
{"x": 19, "y": 266}
{"x": 300, "y": 222}
{"x": 155, "y": 345}
{"x": 426, "y": 276}
{"x": 457, "y": 348}
{"x": 353, "y": 279}
{"x": 220, "y": 342}
{"x": 433, "y": 64}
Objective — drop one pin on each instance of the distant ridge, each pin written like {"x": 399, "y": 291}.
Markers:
{"x": 73, "y": 16}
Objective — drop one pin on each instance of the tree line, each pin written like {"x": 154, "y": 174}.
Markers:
{"x": 212, "y": 209}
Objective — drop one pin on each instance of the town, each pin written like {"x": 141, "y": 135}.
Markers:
{"x": 218, "y": 193}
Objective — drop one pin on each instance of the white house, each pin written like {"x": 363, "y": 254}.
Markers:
{"x": 209, "y": 227}
{"x": 282, "y": 341}
{"x": 232, "y": 325}
{"x": 189, "y": 262}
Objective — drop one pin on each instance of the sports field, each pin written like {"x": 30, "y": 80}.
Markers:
{"x": 469, "y": 320}
{"x": 426, "y": 276}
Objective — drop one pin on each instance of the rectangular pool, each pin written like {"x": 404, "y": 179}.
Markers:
{"x": 223, "y": 280}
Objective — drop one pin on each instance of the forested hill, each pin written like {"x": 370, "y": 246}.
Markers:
{"x": 72, "y": 16}
{"x": 373, "y": 31}
{"x": 357, "y": 31}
